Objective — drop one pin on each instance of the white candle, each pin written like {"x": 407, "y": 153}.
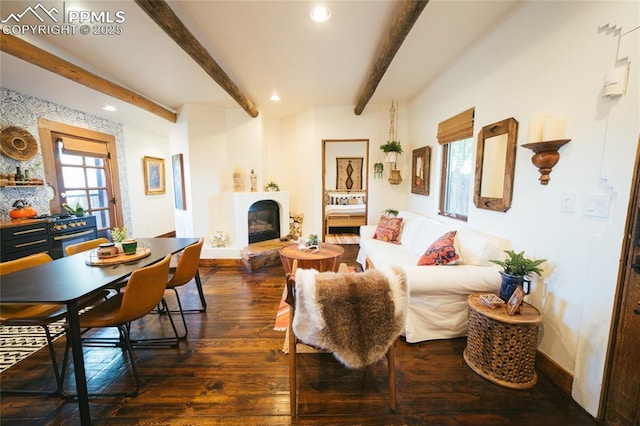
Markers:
{"x": 553, "y": 128}
{"x": 535, "y": 127}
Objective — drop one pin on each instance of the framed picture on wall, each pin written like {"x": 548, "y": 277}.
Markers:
{"x": 420, "y": 170}
{"x": 177, "y": 166}
{"x": 154, "y": 181}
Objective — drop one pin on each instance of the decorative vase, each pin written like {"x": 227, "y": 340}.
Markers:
{"x": 509, "y": 284}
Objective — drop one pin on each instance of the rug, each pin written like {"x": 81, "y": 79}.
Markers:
{"x": 342, "y": 238}
{"x": 17, "y": 343}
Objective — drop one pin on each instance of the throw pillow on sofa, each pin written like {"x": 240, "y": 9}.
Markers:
{"x": 441, "y": 252}
{"x": 388, "y": 229}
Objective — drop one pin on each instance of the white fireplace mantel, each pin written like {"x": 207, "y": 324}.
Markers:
{"x": 236, "y": 222}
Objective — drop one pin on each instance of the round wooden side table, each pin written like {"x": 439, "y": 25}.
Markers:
{"x": 502, "y": 348}
{"x": 326, "y": 258}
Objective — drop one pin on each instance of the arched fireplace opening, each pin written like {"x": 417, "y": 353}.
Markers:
{"x": 264, "y": 221}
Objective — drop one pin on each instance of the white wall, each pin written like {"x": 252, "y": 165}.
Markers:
{"x": 152, "y": 215}
{"x": 302, "y": 157}
{"x": 550, "y": 57}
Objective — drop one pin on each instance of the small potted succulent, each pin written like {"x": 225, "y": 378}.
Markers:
{"x": 272, "y": 187}
{"x": 391, "y": 212}
{"x": 516, "y": 270}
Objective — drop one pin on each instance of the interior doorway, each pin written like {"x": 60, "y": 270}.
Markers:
{"x": 622, "y": 385}
{"x": 345, "y": 178}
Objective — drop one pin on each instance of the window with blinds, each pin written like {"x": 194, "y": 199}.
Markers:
{"x": 456, "y": 137}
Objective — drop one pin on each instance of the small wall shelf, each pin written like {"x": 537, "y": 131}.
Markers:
{"x": 545, "y": 156}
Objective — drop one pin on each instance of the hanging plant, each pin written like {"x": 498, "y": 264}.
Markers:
{"x": 391, "y": 146}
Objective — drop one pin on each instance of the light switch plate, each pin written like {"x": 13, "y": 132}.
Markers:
{"x": 597, "y": 205}
{"x": 568, "y": 202}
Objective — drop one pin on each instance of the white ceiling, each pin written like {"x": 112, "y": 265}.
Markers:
{"x": 264, "y": 46}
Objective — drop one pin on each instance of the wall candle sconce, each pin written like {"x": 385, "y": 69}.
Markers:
{"x": 546, "y": 137}
{"x": 545, "y": 156}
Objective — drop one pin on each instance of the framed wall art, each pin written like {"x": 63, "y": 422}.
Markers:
{"x": 179, "y": 196}
{"x": 349, "y": 173}
{"x": 154, "y": 181}
{"x": 420, "y": 170}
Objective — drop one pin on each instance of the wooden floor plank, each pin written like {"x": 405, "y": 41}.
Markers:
{"x": 231, "y": 371}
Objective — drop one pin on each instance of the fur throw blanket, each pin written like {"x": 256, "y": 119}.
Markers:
{"x": 357, "y": 316}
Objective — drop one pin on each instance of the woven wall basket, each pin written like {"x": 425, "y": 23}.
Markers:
{"x": 17, "y": 143}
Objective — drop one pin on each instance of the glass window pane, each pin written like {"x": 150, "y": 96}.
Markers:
{"x": 73, "y": 177}
{"x": 94, "y": 161}
{"x": 98, "y": 198}
{"x": 96, "y": 178}
{"x": 458, "y": 177}
{"x": 70, "y": 159}
{"x": 77, "y": 197}
{"x": 102, "y": 219}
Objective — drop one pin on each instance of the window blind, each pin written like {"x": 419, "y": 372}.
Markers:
{"x": 457, "y": 127}
{"x": 85, "y": 147}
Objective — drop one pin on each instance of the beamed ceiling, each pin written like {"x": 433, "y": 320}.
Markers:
{"x": 236, "y": 54}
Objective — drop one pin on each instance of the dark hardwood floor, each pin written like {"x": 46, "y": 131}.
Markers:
{"x": 231, "y": 370}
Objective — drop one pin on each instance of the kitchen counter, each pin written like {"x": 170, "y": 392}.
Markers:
{"x": 4, "y": 224}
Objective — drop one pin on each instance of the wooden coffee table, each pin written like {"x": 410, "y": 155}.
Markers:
{"x": 326, "y": 258}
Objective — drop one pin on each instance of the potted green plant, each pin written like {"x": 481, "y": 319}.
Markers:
{"x": 118, "y": 235}
{"x": 516, "y": 269}
{"x": 272, "y": 187}
{"x": 391, "y": 150}
{"x": 391, "y": 212}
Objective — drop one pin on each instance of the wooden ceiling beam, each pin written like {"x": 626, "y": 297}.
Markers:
{"x": 407, "y": 16}
{"x": 160, "y": 12}
{"x": 34, "y": 55}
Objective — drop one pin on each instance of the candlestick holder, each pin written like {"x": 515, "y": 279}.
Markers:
{"x": 545, "y": 156}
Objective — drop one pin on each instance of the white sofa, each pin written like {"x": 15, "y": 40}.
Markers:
{"x": 437, "y": 294}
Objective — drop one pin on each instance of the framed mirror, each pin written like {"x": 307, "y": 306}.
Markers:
{"x": 495, "y": 165}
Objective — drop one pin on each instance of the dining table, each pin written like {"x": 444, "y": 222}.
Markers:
{"x": 68, "y": 280}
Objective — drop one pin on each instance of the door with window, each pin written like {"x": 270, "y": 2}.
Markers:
{"x": 83, "y": 171}
{"x": 80, "y": 165}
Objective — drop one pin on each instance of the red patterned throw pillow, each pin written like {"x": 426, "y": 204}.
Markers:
{"x": 388, "y": 229}
{"x": 441, "y": 252}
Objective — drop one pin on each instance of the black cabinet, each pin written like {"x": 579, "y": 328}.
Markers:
{"x": 20, "y": 241}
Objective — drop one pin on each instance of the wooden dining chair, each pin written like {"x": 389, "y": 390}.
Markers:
{"x": 32, "y": 315}
{"x": 144, "y": 291}
{"x": 362, "y": 286}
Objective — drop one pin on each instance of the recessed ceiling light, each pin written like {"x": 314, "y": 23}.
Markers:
{"x": 109, "y": 108}
{"x": 320, "y": 14}
{"x": 275, "y": 98}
